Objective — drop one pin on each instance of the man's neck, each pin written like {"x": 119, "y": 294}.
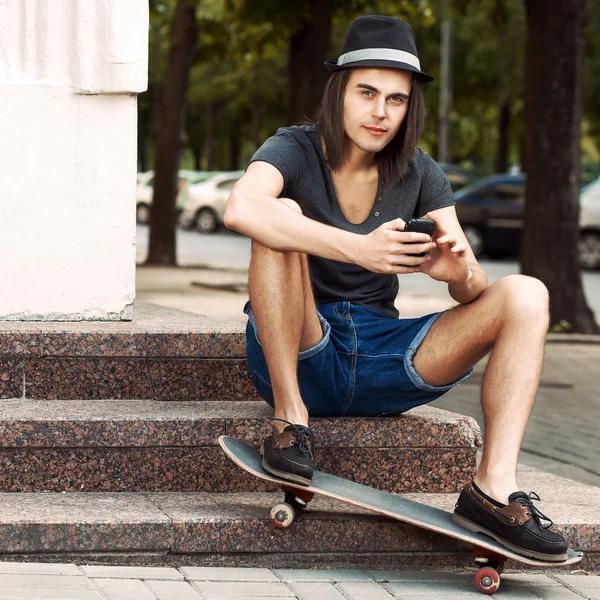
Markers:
{"x": 357, "y": 161}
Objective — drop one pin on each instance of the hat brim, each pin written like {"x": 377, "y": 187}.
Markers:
{"x": 382, "y": 64}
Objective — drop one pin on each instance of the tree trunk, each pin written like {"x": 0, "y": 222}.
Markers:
{"x": 256, "y": 141}
{"x": 501, "y": 163}
{"x": 183, "y": 37}
{"x": 554, "y": 65}
{"x": 306, "y": 72}
{"x": 234, "y": 150}
{"x": 144, "y": 117}
{"x": 209, "y": 140}
{"x": 197, "y": 152}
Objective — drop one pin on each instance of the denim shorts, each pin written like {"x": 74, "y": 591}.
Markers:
{"x": 363, "y": 366}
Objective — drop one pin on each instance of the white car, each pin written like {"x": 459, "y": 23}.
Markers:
{"x": 589, "y": 222}
{"x": 145, "y": 191}
{"x": 204, "y": 203}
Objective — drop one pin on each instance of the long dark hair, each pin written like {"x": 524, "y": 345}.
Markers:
{"x": 395, "y": 158}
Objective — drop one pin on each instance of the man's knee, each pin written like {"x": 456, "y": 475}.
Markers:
{"x": 292, "y": 204}
{"x": 258, "y": 247}
{"x": 524, "y": 296}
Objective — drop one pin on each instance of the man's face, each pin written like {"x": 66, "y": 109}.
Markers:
{"x": 375, "y": 104}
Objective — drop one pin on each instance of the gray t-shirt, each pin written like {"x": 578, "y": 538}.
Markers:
{"x": 296, "y": 152}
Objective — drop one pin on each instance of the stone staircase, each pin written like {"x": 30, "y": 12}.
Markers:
{"x": 108, "y": 451}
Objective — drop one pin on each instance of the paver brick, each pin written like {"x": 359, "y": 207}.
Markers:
{"x": 248, "y": 588}
{"x": 321, "y": 575}
{"x": 238, "y": 597}
{"x": 227, "y": 574}
{"x": 363, "y": 590}
{"x": 410, "y": 589}
{"x": 39, "y": 593}
{"x": 545, "y": 593}
{"x": 39, "y": 568}
{"x": 45, "y": 581}
{"x": 528, "y": 579}
{"x": 408, "y": 575}
{"x": 123, "y": 589}
{"x": 158, "y": 573}
{"x": 172, "y": 590}
{"x": 580, "y": 581}
{"x": 449, "y": 596}
{"x": 310, "y": 590}
{"x": 588, "y": 593}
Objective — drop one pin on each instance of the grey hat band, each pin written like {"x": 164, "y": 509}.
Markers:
{"x": 379, "y": 54}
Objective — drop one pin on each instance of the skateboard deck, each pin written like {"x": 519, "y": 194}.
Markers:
{"x": 384, "y": 503}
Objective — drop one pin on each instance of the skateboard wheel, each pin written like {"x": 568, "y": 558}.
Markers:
{"x": 283, "y": 515}
{"x": 487, "y": 580}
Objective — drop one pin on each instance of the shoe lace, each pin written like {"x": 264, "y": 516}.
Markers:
{"x": 537, "y": 514}
{"x": 302, "y": 435}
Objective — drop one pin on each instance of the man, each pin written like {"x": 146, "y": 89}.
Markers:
{"x": 325, "y": 205}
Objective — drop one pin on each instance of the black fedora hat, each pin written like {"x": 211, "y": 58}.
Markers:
{"x": 384, "y": 42}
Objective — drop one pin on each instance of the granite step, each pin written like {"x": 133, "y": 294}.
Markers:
{"x": 234, "y": 529}
{"x": 141, "y": 445}
{"x": 163, "y": 354}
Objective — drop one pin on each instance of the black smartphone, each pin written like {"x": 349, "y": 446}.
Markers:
{"x": 421, "y": 226}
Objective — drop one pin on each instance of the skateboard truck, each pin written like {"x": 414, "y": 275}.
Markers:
{"x": 284, "y": 513}
{"x": 487, "y": 579}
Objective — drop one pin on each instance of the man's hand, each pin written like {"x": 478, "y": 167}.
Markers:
{"x": 389, "y": 249}
{"x": 449, "y": 261}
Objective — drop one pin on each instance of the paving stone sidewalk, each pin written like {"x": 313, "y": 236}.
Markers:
{"x": 19, "y": 581}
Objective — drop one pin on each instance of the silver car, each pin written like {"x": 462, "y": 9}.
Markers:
{"x": 589, "y": 222}
{"x": 145, "y": 191}
{"x": 204, "y": 203}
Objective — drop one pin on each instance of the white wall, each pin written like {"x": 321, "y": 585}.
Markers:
{"x": 69, "y": 74}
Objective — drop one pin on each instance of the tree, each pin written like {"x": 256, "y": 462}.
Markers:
{"x": 170, "y": 125}
{"x": 307, "y": 53}
{"x": 553, "y": 111}
{"x": 488, "y": 49}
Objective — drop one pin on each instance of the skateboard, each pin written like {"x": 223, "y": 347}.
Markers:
{"x": 488, "y": 554}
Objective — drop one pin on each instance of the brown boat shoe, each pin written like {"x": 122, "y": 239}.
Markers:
{"x": 289, "y": 454}
{"x": 519, "y": 525}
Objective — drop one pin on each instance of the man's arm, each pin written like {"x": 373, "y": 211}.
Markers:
{"x": 457, "y": 264}
{"x": 255, "y": 210}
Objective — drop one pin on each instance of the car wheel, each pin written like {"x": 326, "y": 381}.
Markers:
{"x": 142, "y": 214}
{"x": 206, "y": 220}
{"x": 589, "y": 250}
{"x": 475, "y": 239}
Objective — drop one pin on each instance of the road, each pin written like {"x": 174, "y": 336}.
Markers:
{"x": 229, "y": 249}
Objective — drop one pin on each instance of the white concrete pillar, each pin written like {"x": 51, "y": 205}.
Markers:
{"x": 70, "y": 72}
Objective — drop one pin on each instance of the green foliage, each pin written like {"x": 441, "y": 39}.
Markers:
{"x": 241, "y": 68}
{"x": 561, "y": 327}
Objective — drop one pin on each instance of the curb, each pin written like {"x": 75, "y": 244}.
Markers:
{"x": 572, "y": 338}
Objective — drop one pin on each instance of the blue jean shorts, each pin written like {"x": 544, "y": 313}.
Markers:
{"x": 363, "y": 366}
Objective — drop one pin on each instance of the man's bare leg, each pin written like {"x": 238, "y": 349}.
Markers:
{"x": 286, "y": 320}
{"x": 511, "y": 319}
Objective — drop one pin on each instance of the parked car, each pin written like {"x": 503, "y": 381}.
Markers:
{"x": 204, "y": 206}
{"x": 143, "y": 197}
{"x": 589, "y": 221}
{"x": 145, "y": 191}
{"x": 491, "y": 214}
{"x": 457, "y": 176}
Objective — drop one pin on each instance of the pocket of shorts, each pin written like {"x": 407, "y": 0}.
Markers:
{"x": 257, "y": 378}
{"x": 263, "y": 387}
